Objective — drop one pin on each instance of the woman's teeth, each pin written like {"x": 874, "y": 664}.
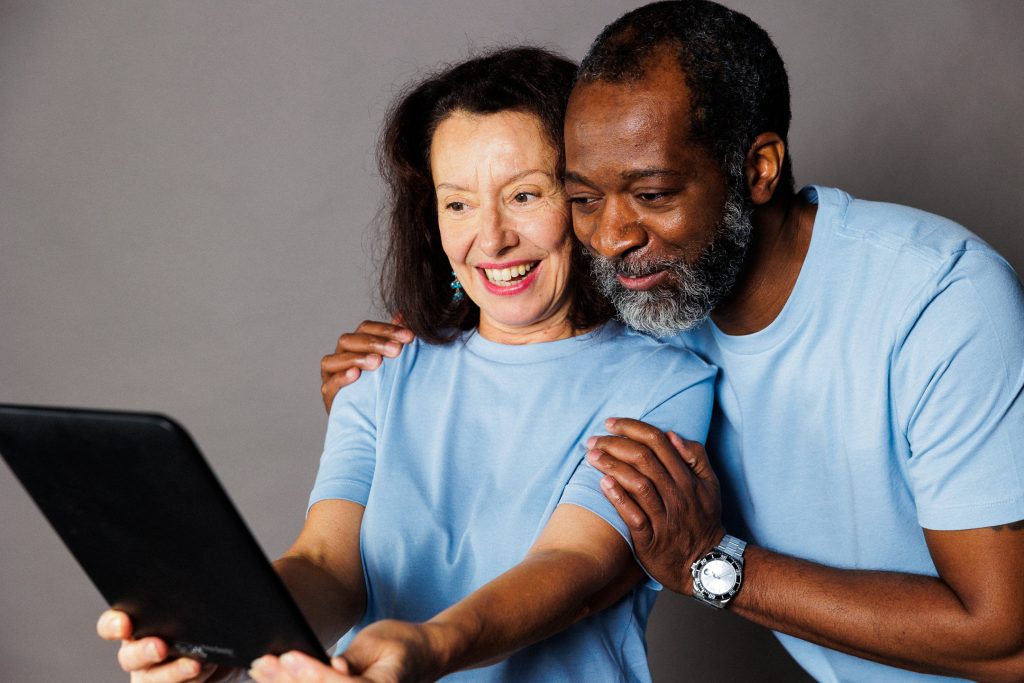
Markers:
{"x": 504, "y": 276}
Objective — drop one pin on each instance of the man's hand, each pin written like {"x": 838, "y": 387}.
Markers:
{"x": 361, "y": 350}
{"x": 665, "y": 491}
{"x": 387, "y": 651}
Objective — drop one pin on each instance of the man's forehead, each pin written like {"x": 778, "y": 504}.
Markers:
{"x": 653, "y": 104}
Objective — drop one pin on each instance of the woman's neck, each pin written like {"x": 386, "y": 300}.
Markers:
{"x": 553, "y": 328}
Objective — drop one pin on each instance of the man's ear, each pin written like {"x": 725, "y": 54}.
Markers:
{"x": 764, "y": 167}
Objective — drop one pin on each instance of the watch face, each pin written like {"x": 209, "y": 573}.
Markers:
{"x": 718, "y": 577}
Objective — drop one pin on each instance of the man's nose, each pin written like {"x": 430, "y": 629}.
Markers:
{"x": 496, "y": 233}
{"x": 617, "y": 229}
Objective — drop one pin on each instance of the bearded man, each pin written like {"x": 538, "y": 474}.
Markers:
{"x": 869, "y": 413}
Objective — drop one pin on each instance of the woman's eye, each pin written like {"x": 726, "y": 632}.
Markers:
{"x": 523, "y": 197}
{"x": 455, "y": 206}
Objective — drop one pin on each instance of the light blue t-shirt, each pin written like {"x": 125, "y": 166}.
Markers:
{"x": 461, "y": 452}
{"x": 885, "y": 397}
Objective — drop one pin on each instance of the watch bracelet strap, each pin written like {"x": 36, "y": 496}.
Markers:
{"x": 732, "y": 546}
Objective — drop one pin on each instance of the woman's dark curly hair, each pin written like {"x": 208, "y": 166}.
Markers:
{"x": 415, "y": 277}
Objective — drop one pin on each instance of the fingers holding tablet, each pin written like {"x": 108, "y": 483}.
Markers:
{"x": 146, "y": 658}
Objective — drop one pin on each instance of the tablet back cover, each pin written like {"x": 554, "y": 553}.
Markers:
{"x": 134, "y": 501}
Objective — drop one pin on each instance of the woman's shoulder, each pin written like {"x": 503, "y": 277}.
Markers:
{"x": 646, "y": 358}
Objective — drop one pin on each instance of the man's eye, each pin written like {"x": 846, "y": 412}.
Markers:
{"x": 455, "y": 206}
{"x": 651, "y": 196}
{"x": 583, "y": 204}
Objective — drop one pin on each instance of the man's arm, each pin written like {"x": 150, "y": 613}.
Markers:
{"x": 363, "y": 349}
{"x": 578, "y": 566}
{"x": 967, "y": 622}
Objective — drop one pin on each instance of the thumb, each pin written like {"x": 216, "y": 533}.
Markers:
{"x": 341, "y": 665}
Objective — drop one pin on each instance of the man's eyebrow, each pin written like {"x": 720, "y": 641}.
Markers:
{"x": 638, "y": 174}
{"x": 516, "y": 177}
{"x": 569, "y": 176}
{"x": 650, "y": 173}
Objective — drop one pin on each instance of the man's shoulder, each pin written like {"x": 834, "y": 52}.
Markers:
{"x": 906, "y": 232}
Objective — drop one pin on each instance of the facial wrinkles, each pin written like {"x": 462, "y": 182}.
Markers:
{"x": 692, "y": 291}
{"x": 484, "y": 162}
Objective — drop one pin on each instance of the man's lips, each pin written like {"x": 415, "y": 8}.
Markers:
{"x": 643, "y": 282}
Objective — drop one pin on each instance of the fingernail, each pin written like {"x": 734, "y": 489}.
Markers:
{"x": 607, "y": 483}
{"x": 392, "y": 348}
{"x": 591, "y": 441}
{"x": 292, "y": 662}
{"x": 610, "y": 423}
{"x": 264, "y": 670}
{"x": 114, "y": 622}
{"x": 594, "y": 456}
{"x": 189, "y": 667}
{"x": 263, "y": 667}
{"x": 153, "y": 651}
{"x": 352, "y": 373}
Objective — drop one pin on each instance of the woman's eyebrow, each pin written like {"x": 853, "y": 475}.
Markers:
{"x": 517, "y": 176}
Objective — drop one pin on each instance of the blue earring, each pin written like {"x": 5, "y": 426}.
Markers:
{"x": 457, "y": 288}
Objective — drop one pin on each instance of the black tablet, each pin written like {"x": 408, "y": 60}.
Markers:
{"x": 137, "y": 505}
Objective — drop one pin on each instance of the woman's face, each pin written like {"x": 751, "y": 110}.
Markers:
{"x": 504, "y": 222}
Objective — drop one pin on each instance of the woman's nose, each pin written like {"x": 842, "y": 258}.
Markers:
{"x": 496, "y": 233}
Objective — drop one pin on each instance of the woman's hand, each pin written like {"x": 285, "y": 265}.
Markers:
{"x": 361, "y": 350}
{"x": 146, "y": 659}
{"x": 387, "y": 651}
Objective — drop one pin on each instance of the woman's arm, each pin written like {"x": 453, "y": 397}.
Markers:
{"x": 577, "y": 566}
{"x": 322, "y": 570}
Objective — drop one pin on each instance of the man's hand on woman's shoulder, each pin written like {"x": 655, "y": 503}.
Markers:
{"x": 361, "y": 350}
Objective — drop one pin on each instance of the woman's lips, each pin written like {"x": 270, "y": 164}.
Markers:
{"x": 644, "y": 282}
{"x": 516, "y": 287}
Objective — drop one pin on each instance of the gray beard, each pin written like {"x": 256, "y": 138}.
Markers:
{"x": 692, "y": 291}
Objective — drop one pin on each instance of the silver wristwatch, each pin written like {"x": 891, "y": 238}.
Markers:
{"x": 717, "y": 576}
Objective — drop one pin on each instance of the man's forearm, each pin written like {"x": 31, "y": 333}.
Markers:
{"x": 904, "y": 620}
{"x": 544, "y": 594}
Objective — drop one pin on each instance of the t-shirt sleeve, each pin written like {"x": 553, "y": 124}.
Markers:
{"x": 958, "y": 373}
{"x": 350, "y": 446}
{"x": 679, "y": 400}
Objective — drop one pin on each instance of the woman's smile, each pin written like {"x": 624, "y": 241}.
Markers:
{"x": 504, "y": 223}
{"x": 509, "y": 279}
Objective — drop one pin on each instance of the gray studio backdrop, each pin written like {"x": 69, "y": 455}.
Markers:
{"x": 185, "y": 190}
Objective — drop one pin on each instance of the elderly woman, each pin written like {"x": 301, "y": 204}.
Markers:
{"x": 454, "y": 522}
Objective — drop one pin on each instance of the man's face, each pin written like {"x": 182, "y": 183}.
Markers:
{"x": 653, "y": 207}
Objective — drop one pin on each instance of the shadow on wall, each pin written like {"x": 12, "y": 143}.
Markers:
{"x": 688, "y": 641}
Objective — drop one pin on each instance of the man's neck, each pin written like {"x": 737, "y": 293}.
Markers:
{"x": 779, "y": 242}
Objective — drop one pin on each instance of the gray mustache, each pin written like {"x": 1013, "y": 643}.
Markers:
{"x": 616, "y": 266}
